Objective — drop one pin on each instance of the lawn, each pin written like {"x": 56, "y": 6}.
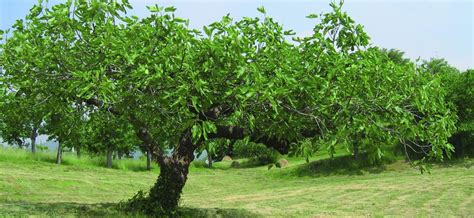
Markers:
{"x": 32, "y": 185}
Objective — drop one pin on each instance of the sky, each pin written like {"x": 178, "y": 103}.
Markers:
{"x": 421, "y": 28}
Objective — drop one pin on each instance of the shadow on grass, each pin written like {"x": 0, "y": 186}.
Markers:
{"x": 245, "y": 163}
{"x": 214, "y": 212}
{"x": 59, "y": 209}
{"x": 18, "y": 208}
{"x": 466, "y": 162}
{"x": 342, "y": 165}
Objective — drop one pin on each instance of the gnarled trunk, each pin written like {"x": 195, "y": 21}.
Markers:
{"x": 165, "y": 194}
{"x": 163, "y": 197}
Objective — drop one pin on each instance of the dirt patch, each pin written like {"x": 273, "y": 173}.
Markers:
{"x": 226, "y": 158}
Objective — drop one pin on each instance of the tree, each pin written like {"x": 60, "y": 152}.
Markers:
{"x": 108, "y": 135}
{"x": 460, "y": 93}
{"x": 179, "y": 88}
{"x": 21, "y": 118}
{"x": 439, "y": 66}
{"x": 396, "y": 56}
{"x": 62, "y": 127}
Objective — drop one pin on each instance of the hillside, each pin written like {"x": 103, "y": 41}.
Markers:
{"x": 34, "y": 186}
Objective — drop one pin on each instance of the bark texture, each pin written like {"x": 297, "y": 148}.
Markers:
{"x": 164, "y": 196}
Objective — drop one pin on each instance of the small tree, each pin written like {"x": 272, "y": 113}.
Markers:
{"x": 108, "y": 135}
{"x": 21, "y": 118}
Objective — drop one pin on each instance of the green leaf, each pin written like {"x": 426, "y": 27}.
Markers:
{"x": 153, "y": 8}
{"x": 289, "y": 32}
{"x": 312, "y": 16}
{"x": 170, "y": 9}
{"x": 208, "y": 31}
{"x": 208, "y": 127}
{"x": 196, "y": 131}
{"x": 52, "y": 20}
{"x": 261, "y": 10}
{"x": 240, "y": 72}
{"x": 180, "y": 20}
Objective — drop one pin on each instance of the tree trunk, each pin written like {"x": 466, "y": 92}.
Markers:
{"x": 148, "y": 159}
{"x": 109, "y": 156}
{"x": 356, "y": 151}
{"x": 59, "y": 155}
{"x": 209, "y": 159}
{"x": 164, "y": 196}
{"x": 78, "y": 152}
{"x": 33, "y": 140}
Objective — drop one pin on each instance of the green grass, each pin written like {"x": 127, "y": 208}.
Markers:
{"x": 13, "y": 155}
{"x": 30, "y": 186}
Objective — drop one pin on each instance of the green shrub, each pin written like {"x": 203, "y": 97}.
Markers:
{"x": 42, "y": 148}
{"x": 199, "y": 164}
{"x": 258, "y": 154}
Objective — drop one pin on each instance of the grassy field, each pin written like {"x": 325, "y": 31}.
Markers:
{"x": 33, "y": 185}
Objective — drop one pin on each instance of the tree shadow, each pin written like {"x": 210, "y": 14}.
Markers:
{"x": 342, "y": 165}
{"x": 22, "y": 208}
{"x": 245, "y": 163}
{"x": 466, "y": 162}
{"x": 214, "y": 212}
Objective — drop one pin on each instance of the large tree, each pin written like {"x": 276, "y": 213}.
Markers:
{"x": 180, "y": 87}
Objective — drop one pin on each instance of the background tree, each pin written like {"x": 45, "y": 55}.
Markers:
{"x": 460, "y": 93}
{"x": 462, "y": 96}
{"x": 21, "y": 117}
{"x": 396, "y": 56}
{"x": 108, "y": 136}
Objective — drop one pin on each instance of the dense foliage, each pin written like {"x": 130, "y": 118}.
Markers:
{"x": 175, "y": 88}
{"x": 459, "y": 88}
